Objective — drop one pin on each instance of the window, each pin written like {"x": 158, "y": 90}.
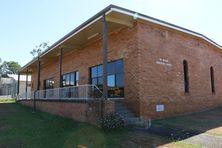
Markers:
{"x": 111, "y": 80}
{"x": 212, "y": 80}
{"x": 49, "y": 84}
{"x": 96, "y": 76}
{"x": 186, "y": 76}
{"x": 70, "y": 79}
{"x": 115, "y": 78}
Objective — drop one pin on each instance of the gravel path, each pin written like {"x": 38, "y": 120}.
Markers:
{"x": 206, "y": 140}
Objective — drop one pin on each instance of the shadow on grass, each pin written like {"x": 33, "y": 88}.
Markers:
{"x": 183, "y": 127}
{"x": 20, "y": 127}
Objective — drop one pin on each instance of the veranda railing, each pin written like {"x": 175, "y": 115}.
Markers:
{"x": 81, "y": 92}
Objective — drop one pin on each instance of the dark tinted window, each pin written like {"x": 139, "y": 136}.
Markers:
{"x": 120, "y": 80}
{"x": 111, "y": 80}
{"x": 70, "y": 79}
{"x": 100, "y": 71}
{"x": 100, "y": 81}
{"x": 76, "y": 78}
{"x": 49, "y": 84}
{"x": 67, "y": 79}
{"x": 115, "y": 78}
{"x": 94, "y": 81}
{"x": 94, "y": 72}
{"x": 212, "y": 80}
{"x": 111, "y": 68}
{"x": 63, "y": 80}
{"x": 186, "y": 76}
{"x": 119, "y": 66}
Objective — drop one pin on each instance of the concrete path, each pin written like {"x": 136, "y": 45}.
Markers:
{"x": 205, "y": 140}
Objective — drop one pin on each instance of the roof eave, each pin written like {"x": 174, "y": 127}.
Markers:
{"x": 126, "y": 12}
{"x": 70, "y": 34}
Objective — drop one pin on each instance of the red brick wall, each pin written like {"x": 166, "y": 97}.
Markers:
{"x": 84, "y": 112}
{"x": 47, "y": 71}
{"x": 146, "y": 82}
{"x": 122, "y": 45}
{"x": 164, "y": 84}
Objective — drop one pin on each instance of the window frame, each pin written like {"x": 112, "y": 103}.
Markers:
{"x": 186, "y": 76}
{"x": 75, "y": 81}
{"x": 45, "y": 83}
{"x": 115, "y": 76}
{"x": 212, "y": 80}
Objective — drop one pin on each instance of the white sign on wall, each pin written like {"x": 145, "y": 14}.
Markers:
{"x": 162, "y": 61}
{"x": 159, "y": 108}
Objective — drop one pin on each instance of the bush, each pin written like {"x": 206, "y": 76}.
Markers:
{"x": 112, "y": 121}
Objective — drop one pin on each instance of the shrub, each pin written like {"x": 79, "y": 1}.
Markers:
{"x": 112, "y": 121}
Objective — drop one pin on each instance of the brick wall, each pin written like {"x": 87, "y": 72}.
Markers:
{"x": 122, "y": 45}
{"x": 153, "y": 64}
{"x": 161, "y": 75}
{"x": 79, "y": 111}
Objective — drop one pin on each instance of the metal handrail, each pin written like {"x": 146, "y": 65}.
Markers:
{"x": 81, "y": 92}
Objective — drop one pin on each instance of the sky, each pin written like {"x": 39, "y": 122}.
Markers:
{"x": 27, "y": 23}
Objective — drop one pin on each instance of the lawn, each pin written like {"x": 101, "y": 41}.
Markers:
{"x": 7, "y": 100}
{"x": 20, "y": 127}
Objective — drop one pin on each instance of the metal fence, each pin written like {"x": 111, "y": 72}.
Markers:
{"x": 81, "y": 92}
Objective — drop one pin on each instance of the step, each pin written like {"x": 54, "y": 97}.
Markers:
{"x": 127, "y": 115}
{"x": 123, "y": 113}
{"x": 119, "y": 104}
{"x": 140, "y": 125}
{"x": 121, "y": 108}
{"x": 132, "y": 120}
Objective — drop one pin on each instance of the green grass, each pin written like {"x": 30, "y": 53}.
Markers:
{"x": 7, "y": 100}
{"x": 20, "y": 127}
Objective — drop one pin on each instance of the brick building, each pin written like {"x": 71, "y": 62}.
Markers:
{"x": 156, "y": 68}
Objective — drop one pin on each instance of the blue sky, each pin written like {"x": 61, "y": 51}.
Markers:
{"x": 25, "y": 24}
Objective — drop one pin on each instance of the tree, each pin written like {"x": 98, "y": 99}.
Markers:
{"x": 1, "y": 72}
{"x": 1, "y": 68}
{"x": 39, "y": 49}
{"x": 10, "y": 67}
